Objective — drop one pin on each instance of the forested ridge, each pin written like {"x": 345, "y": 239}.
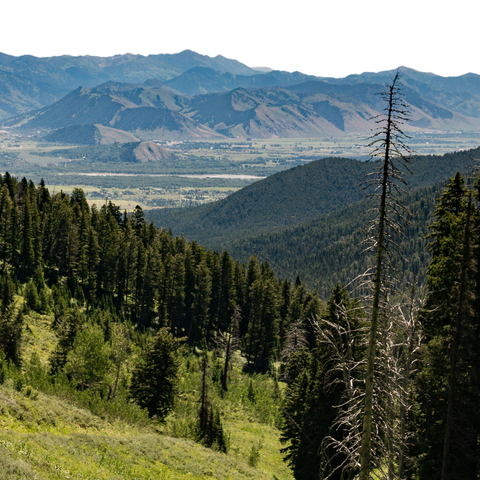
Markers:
{"x": 296, "y": 196}
{"x": 148, "y": 327}
{"x": 327, "y": 250}
{"x": 117, "y": 262}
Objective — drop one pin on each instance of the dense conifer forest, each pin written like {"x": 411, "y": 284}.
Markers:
{"x": 135, "y": 314}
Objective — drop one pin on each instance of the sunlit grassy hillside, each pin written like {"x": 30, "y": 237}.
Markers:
{"x": 54, "y": 432}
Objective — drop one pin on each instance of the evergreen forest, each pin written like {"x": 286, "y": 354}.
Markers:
{"x": 131, "y": 310}
{"x": 132, "y": 326}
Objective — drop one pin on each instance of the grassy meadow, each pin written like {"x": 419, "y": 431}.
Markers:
{"x": 52, "y": 431}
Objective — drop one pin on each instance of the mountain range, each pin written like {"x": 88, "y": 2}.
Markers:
{"x": 193, "y": 96}
{"x": 30, "y": 82}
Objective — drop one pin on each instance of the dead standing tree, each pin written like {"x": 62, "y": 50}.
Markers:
{"x": 343, "y": 337}
{"x": 369, "y": 431}
{"x": 227, "y": 343}
{"x": 387, "y": 182}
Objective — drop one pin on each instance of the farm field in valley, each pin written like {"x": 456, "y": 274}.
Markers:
{"x": 200, "y": 172}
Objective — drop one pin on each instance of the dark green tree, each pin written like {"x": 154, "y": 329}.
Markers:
{"x": 227, "y": 343}
{"x": 11, "y": 333}
{"x": 69, "y": 324}
{"x": 448, "y": 421}
{"x": 318, "y": 387}
{"x": 210, "y": 428}
{"x": 155, "y": 377}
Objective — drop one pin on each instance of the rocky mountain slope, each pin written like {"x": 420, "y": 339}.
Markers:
{"x": 191, "y": 96}
{"x": 311, "y": 109}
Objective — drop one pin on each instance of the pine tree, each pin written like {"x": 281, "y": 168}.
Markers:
{"x": 6, "y": 206}
{"x": 11, "y": 333}
{"x": 227, "y": 302}
{"x": 448, "y": 420}
{"x": 300, "y": 450}
{"x": 155, "y": 377}
{"x": 120, "y": 350}
{"x": 210, "y": 428}
{"x": 269, "y": 340}
{"x": 32, "y": 300}
{"x": 205, "y": 406}
{"x": 69, "y": 325}
{"x": 199, "y": 319}
{"x": 227, "y": 342}
{"x": 176, "y": 290}
{"x": 151, "y": 282}
{"x": 127, "y": 266}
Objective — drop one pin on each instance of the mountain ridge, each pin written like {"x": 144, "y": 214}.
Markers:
{"x": 40, "y": 81}
{"x": 297, "y": 195}
{"x": 215, "y": 97}
{"x": 155, "y": 111}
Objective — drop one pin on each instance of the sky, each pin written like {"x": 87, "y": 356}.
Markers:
{"x": 329, "y": 38}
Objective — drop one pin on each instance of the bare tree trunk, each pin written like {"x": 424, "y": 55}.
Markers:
{"x": 390, "y": 146}
{"x": 365, "y": 455}
{"x": 227, "y": 363}
{"x": 411, "y": 324}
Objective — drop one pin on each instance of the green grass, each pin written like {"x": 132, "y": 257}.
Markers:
{"x": 49, "y": 438}
{"x": 53, "y": 432}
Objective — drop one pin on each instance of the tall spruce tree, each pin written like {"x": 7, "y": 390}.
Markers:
{"x": 446, "y": 444}
{"x": 155, "y": 377}
{"x": 11, "y": 324}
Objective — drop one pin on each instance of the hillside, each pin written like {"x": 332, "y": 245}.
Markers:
{"x": 84, "y": 311}
{"x": 203, "y": 80}
{"x": 31, "y": 83}
{"x": 327, "y": 250}
{"x": 312, "y": 108}
{"x": 285, "y": 198}
{"x": 113, "y": 152}
{"x": 125, "y": 352}
{"x": 49, "y": 438}
{"x": 51, "y": 432}
{"x": 295, "y": 196}
{"x": 141, "y": 110}
{"x": 460, "y": 94}
{"x": 90, "y": 135}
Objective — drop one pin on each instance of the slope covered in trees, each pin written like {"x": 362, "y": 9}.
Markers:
{"x": 286, "y": 198}
{"x": 425, "y": 411}
{"x": 328, "y": 250}
{"x": 322, "y": 204}
{"x": 122, "y": 302}
{"x": 105, "y": 257}
{"x": 448, "y": 420}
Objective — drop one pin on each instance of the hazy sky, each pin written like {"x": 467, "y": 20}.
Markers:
{"x": 325, "y": 38}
